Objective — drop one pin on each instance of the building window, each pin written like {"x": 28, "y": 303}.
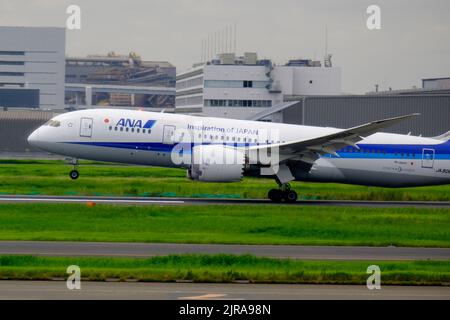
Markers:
{"x": 248, "y": 84}
{"x": 12, "y": 74}
{"x": 237, "y": 103}
{"x": 12, "y": 63}
{"x": 12, "y": 53}
{"x": 247, "y": 103}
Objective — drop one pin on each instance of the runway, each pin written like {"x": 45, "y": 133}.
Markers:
{"x": 48, "y": 290}
{"x": 143, "y": 250}
{"x": 212, "y": 201}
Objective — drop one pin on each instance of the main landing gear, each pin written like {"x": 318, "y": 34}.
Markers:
{"x": 74, "y": 174}
{"x": 285, "y": 193}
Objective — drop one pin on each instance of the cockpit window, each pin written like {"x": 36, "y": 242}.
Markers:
{"x": 53, "y": 123}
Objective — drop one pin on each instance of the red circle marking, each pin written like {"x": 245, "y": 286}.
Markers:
{"x": 106, "y": 120}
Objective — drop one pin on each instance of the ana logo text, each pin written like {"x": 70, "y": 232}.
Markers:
{"x": 132, "y": 123}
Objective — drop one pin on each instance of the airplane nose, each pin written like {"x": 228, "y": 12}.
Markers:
{"x": 33, "y": 138}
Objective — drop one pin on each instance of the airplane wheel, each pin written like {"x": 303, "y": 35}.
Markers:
{"x": 290, "y": 196}
{"x": 74, "y": 174}
{"x": 275, "y": 195}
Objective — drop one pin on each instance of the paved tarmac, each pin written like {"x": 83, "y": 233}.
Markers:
{"x": 206, "y": 201}
{"x": 45, "y": 290}
{"x": 142, "y": 250}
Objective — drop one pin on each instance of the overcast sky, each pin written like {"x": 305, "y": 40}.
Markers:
{"x": 413, "y": 43}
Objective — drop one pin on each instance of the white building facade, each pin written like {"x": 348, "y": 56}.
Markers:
{"x": 34, "y": 58}
{"x": 240, "y": 87}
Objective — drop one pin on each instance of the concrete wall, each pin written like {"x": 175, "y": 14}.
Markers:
{"x": 238, "y": 73}
{"x": 308, "y": 80}
{"x": 15, "y": 126}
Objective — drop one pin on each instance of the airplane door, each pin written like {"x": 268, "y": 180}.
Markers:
{"x": 427, "y": 158}
{"x": 86, "y": 127}
{"x": 168, "y": 134}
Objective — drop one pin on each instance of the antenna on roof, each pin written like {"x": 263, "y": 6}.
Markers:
{"x": 327, "y": 59}
{"x": 235, "y": 37}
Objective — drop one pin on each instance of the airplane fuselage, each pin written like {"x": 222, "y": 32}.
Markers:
{"x": 147, "y": 138}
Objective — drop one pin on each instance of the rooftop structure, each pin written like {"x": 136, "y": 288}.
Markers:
{"x": 122, "y": 80}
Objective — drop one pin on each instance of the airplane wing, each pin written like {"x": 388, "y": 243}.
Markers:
{"x": 309, "y": 150}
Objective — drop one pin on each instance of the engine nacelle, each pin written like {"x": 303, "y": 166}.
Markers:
{"x": 216, "y": 163}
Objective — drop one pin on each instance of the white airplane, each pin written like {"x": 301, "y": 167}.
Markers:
{"x": 359, "y": 155}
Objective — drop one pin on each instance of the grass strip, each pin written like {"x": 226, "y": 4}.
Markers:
{"x": 233, "y": 224}
{"x": 225, "y": 268}
{"x": 51, "y": 177}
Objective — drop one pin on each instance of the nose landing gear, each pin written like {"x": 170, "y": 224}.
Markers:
{"x": 74, "y": 174}
{"x": 285, "y": 193}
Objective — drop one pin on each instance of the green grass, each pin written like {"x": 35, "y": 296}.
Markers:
{"x": 226, "y": 268}
{"x": 240, "y": 224}
{"x": 51, "y": 177}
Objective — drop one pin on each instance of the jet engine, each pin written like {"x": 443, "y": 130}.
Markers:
{"x": 216, "y": 163}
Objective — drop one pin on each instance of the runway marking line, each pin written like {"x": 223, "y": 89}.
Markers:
{"x": 207, "y": 296}
{"x": 89, "y": 200}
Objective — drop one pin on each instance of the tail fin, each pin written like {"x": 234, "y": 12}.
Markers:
{"x": 443, "y": 137}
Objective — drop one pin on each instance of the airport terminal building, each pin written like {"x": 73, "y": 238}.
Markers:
{"x": 32, "y": 67}
{"x": 238, "y": 87}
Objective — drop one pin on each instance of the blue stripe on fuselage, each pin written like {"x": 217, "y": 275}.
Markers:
{"x": 366, "y": 151}
{"x": 151, "y": 146}
{"x": 394, "y": 151}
